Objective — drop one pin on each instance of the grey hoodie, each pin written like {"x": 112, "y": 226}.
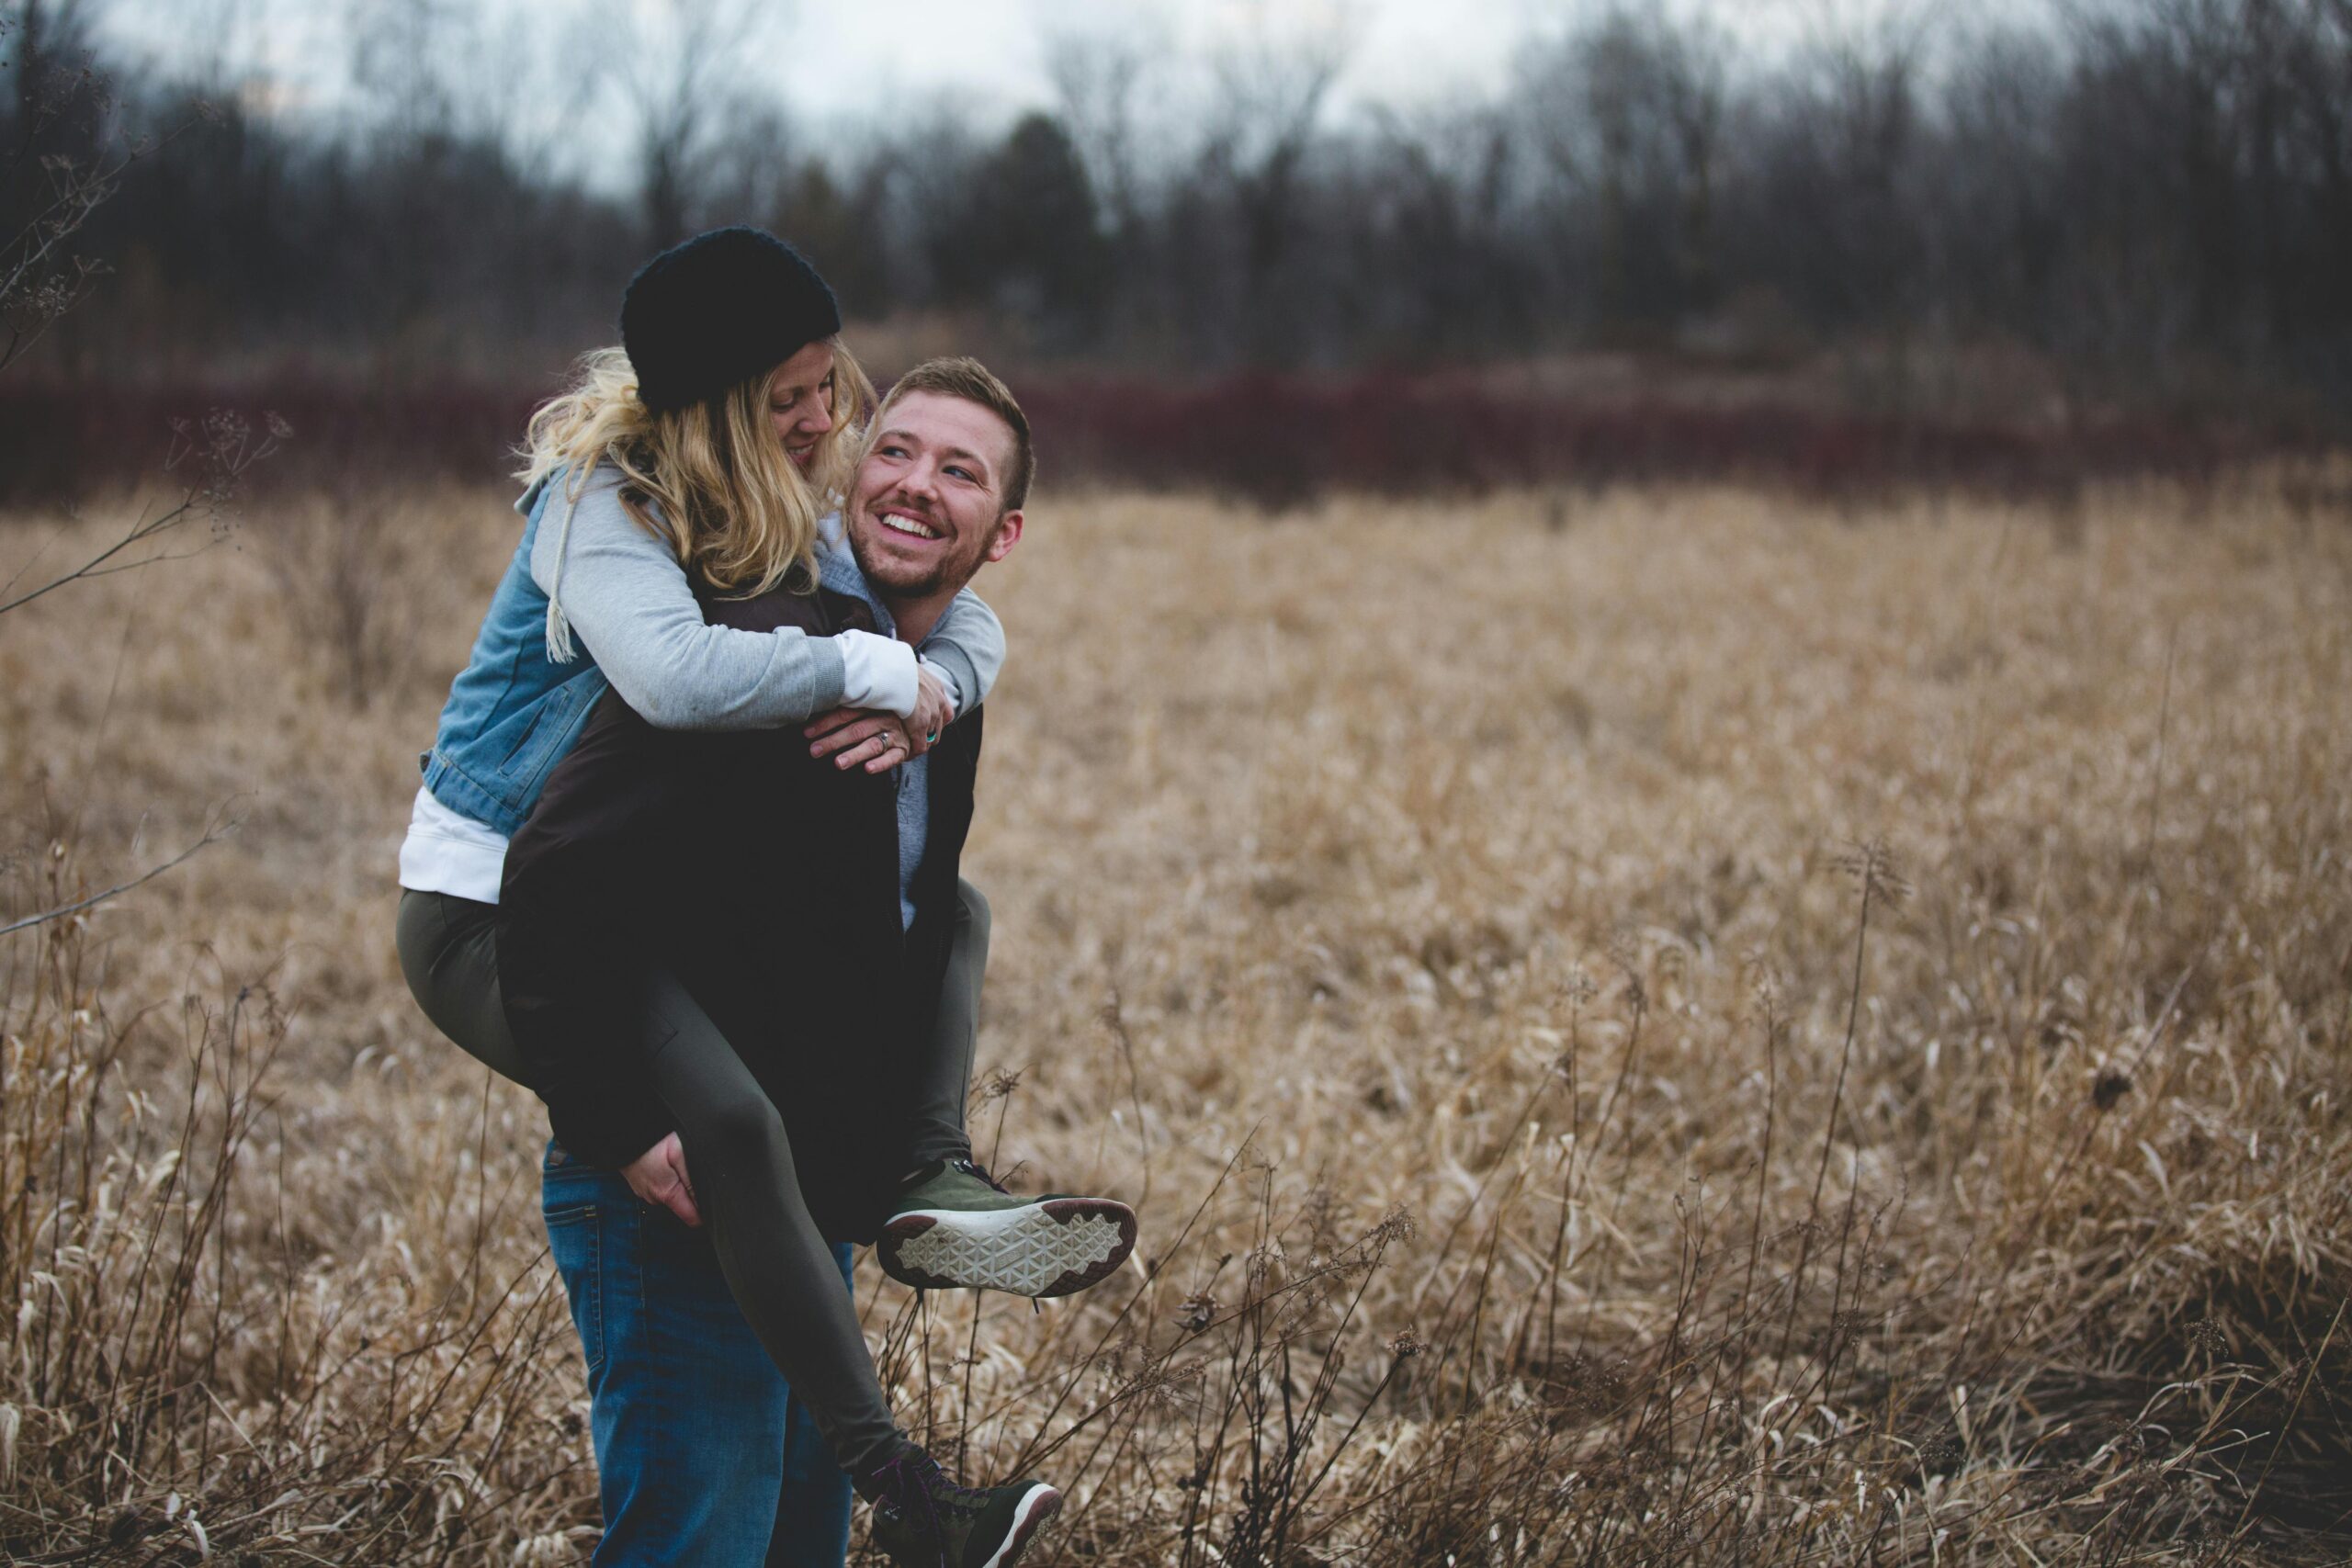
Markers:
{"x": 621, "y": 589}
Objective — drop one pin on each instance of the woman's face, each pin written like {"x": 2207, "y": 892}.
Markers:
{"x": 800, "y": 401}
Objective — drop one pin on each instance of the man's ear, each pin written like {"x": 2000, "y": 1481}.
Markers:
{"x": 1008, "y": 534}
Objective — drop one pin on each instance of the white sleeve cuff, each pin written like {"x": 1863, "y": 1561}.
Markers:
{"x": 878, "y": 673}
{"x": 947, "y": 678}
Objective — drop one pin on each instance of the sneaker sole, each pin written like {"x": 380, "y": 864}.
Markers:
{"x": 1038, "y": 1505}
{"x": 1046, "y": 1248}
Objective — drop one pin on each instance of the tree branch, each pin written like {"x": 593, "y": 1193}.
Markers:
{"x": 146, "y": 528}
{"x": 212, "y": 836}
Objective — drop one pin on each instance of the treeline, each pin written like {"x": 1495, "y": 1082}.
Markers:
{"x": 2151, "y": 196}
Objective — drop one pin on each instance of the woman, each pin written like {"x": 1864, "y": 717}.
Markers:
{"x": 702, "y": 450}
{"x": 611, "y": 567}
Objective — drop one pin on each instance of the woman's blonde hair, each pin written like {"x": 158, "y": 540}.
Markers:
{"x": 710, "y": 480}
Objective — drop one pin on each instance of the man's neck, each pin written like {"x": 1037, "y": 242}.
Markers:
{"x": 913, "y": 618}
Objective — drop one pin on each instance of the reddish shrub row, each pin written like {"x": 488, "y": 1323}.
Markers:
{"x": 1281, "y": 439}
{"x": 1274, "y": 440}
{"x": 59, "y": 441}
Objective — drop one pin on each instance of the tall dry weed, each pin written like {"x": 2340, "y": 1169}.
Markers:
{"x": 1714, "y": 1032}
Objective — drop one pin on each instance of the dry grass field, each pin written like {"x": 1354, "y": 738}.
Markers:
{"x": 1665, "y": 1027}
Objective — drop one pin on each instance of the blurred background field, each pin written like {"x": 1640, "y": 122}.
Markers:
{"x": 1670, "y": 792}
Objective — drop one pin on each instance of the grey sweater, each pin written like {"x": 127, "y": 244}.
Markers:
{"x": 626, "y": 596}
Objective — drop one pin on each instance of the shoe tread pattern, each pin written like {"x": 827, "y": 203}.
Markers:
{"x": 1053, "y": 1248}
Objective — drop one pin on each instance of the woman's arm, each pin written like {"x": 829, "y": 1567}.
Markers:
{"x": 627, "y": 597}
{"x": 966, "y": 649}
{"x": 961, "y": 657}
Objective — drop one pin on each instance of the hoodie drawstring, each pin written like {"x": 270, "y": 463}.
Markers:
{"x": 561, "y": 649}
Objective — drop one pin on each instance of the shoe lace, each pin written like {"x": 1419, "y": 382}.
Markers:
{"x": 973, "y": 1169}
{"x": 912, "y": 1487}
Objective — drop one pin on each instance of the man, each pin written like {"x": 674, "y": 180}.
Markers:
{"x": 797, "y": 916}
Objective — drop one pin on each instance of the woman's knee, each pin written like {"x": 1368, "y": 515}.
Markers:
{"x": 741, "y": 1131}
{"x": 418, "y": 934}
{"x": 971, "y": 918}
{"x": 449, "y": 957}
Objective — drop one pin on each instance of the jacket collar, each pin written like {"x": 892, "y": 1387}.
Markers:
{"x": 837, "y": 569}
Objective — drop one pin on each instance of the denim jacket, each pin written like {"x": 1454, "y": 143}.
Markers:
{"x": 512, "y": 712}
{"x": 528, "y": 687}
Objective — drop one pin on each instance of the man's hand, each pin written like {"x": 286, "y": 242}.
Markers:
{"x": 659, "y": 1176}
{"x": 879, "y": 741}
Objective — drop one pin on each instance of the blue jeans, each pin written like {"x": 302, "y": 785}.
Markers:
{"x": 703, "y": 1456}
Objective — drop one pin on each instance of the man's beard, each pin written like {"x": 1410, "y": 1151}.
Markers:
{"x": 899, "y": 581}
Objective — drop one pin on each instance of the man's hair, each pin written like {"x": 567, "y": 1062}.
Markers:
{"x": 958, "y": 376}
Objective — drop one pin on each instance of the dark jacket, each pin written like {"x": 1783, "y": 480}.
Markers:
{"x": 768, "y": 881}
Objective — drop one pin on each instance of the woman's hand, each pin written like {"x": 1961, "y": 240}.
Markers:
{"x": 932, "y": 713}
{"x": 659, "y": 1176}
{"x": 879, "y": 741}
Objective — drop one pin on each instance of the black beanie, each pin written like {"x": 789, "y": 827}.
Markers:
{"x": 719, "y": 309}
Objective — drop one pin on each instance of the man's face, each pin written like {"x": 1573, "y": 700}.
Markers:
{"x": 925, "y": 507}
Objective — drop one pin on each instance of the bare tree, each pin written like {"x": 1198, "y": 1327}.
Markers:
{"x": 1439, "y": 199}
{"x": 59, "y": 103}
{"x": 1271, "y": 87}
{"x": 56, "y": 170}
{"x": 748, "y": 169}
{"x": 2121, "y": 187}
{"x": 224, "y": 43}
{"x": 681, "y": 66}
{"x": 1108, "y": 85}
{"x": 1629, "y": 109}
{"x": 48, "y": 44}
{"x": 1869, "y": 97}
{"x": 403, "y": 55}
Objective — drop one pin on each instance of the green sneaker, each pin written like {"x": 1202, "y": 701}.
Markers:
{"x": 956, "y": 1229}
{"x": 924, "y": 1521}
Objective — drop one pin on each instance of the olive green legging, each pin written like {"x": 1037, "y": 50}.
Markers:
{"x": 776, "y": 1262}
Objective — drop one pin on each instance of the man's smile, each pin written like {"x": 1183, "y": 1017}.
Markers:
{"x": 900, "y": 521}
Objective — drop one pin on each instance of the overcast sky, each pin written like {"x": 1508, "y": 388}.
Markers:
{"x": 836, "y": 57}
{"x": 1402, "y": 50}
